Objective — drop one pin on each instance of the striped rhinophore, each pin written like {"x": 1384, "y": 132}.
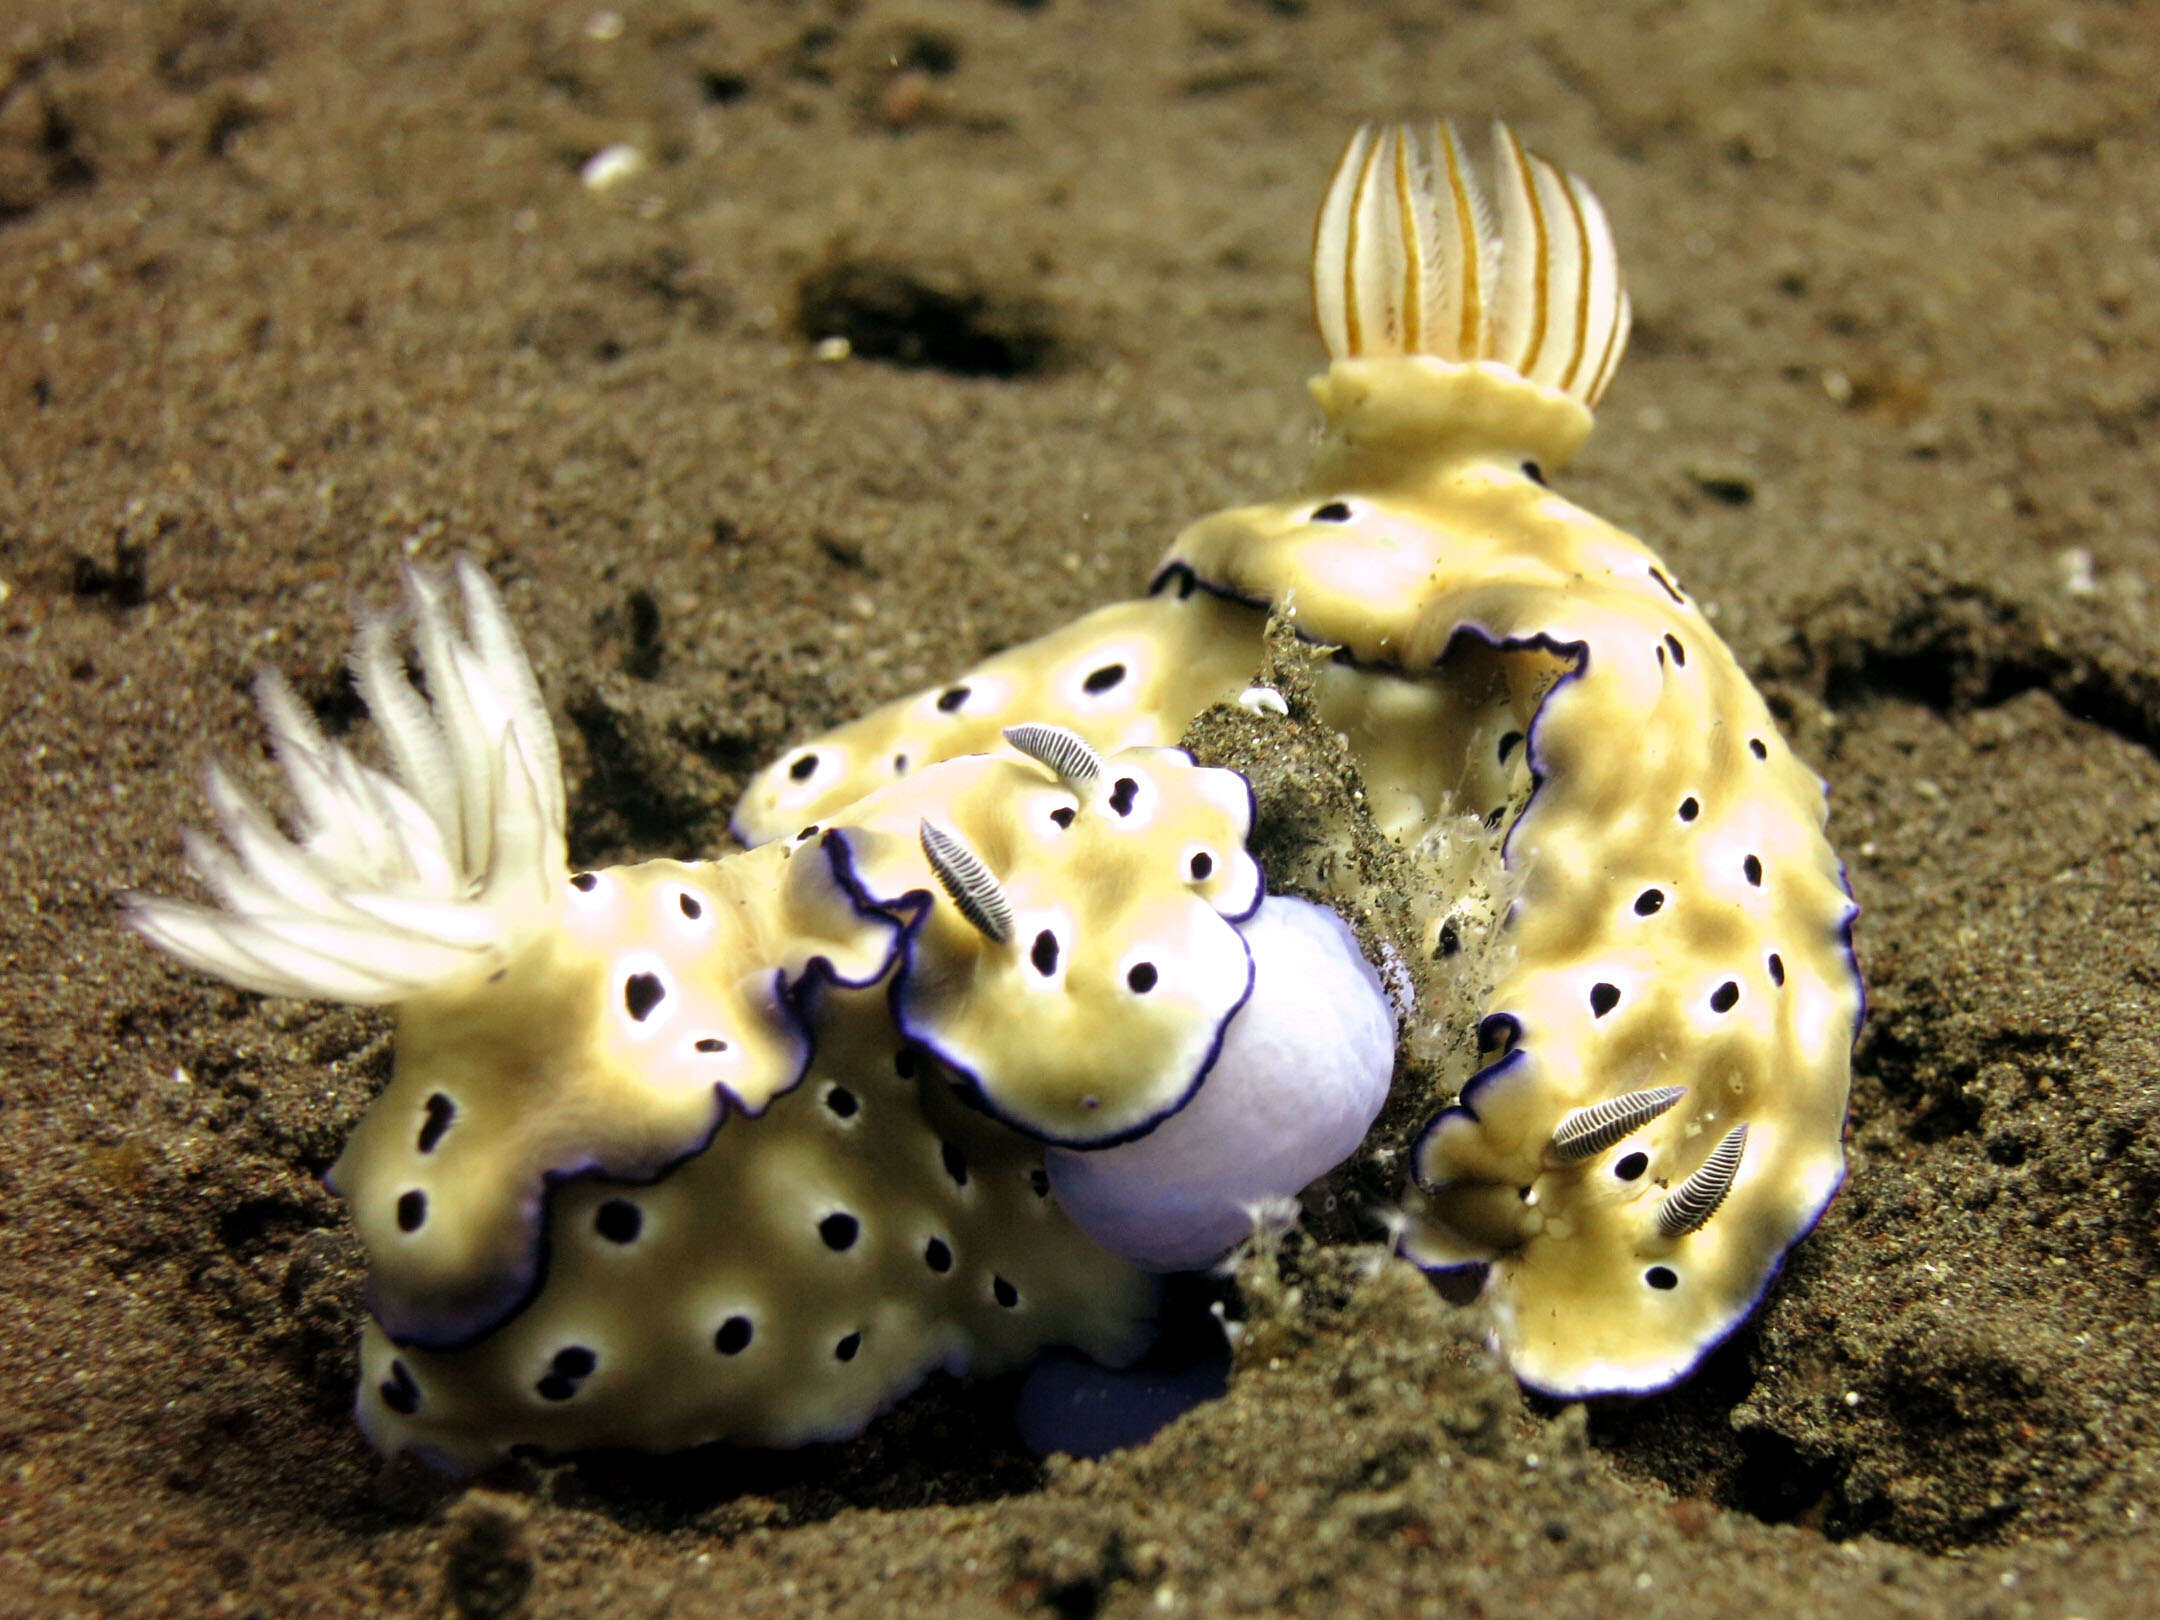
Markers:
{"x": 972, "y": 886}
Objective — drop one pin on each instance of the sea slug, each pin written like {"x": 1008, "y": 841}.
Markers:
{"x": 743, "y": 1149}
{"x": 1662, "y": 1113}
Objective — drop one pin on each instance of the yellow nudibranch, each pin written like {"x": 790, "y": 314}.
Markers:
{"x": 1663, "y": 1114}
{"x": 743, "y": 1149}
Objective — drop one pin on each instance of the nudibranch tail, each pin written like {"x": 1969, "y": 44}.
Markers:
{"x": 1415, "y": 254}
{"x": 547, "y": 1025}
{"x": 398, "y": 886}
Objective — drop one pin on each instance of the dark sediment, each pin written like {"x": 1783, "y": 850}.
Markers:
{"x": 292, "y": 293}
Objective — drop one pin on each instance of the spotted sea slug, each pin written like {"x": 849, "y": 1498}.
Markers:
{"x": 742, "y": 1149}
{"x": 1661, "y": 1116}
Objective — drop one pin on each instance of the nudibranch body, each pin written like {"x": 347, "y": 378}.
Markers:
{"x": 743, "y": 1149}
{"x": 1662, "y": 1114}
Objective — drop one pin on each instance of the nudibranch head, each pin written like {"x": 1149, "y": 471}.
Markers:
{"x": 1662, "y": 1114}
{"x": 1071, "y": 941}
{"x": 1626, "y": 1240}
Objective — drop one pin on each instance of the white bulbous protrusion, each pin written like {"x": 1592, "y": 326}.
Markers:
{"x": 1303, "y": 1072}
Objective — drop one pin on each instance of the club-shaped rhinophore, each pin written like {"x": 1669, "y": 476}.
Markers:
{"x": 973, "y": 888}
{"x": 1589, "y": 1131}
{"x": 1696, "y": 1199}
{"x": 1065, "y": 752}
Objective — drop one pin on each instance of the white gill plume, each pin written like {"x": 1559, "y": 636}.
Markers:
{"x": 399, "y": 884}
{"x": 1415, "y": 253}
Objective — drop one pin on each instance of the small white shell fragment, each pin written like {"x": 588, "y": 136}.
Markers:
{"x": 611, "y": 165}
{"x": 832, "y": 350}
{"x": 2074, "y": 565}
{"x": 1262, "y": 700}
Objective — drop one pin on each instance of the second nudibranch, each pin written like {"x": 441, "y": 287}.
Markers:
{"x": 1661, "y": 1114}
{"x": 743, "y": 1149}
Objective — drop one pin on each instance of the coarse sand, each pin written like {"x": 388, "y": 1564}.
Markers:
{"x": 289, "y": 293}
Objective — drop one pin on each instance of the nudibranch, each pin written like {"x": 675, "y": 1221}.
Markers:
{"x": 1662, "y": 1113}
{"x": 742, "y": 1149}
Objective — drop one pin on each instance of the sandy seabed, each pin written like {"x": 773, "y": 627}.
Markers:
{"x": 289, "y": 294}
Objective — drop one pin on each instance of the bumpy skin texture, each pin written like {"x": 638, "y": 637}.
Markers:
{"x": 1682, "y": 923}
